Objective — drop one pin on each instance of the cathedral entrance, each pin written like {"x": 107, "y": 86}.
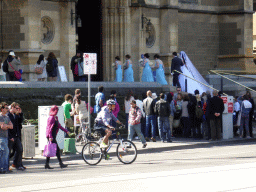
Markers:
{"x": 90, "y": 34}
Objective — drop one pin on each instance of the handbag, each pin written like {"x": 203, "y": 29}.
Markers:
{"x": 69, "y": 122}
{"x": 38, "y": 70}
{"x": 17, "y": 74}
{"x": 76, "y": 70}
{"x": 50, "y": 149}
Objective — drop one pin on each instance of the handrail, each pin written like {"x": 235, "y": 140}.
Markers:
{"x": 214, "y": 71}
{"x": 199, "y": 82}
{"x": 236, "y": 75}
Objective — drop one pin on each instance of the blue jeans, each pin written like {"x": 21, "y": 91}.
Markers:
{"x": 150, "y": 122}
{"x": 137, "y": 129}
{"x": 164, "y": 128}
{"x": 244, "y": 122}
{"x": 4, "y": 155}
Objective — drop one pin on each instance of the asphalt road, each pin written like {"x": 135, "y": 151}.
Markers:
{"x": 212, "y": 168}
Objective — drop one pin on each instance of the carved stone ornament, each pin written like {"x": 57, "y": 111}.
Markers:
{"x": 151, "y": 35}
{"x": 47, "y": 30}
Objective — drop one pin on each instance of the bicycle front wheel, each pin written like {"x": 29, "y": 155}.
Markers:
{"x": 126, "y": 152}
{"x": 92, "y": 153}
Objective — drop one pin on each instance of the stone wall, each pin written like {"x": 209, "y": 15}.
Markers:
{"x": 199, "y": 38}
{"x": 29, "y": 35}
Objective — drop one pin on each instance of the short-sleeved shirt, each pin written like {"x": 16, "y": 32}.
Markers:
{"x": 6, "y": 120}
{"x": 67, "y": 109}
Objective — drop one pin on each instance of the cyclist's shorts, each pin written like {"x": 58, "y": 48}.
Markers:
{"x": 100, "y": 128}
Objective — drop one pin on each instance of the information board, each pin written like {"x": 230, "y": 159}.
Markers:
{"x": 62, "y": 74}
{"x": 90, "y": 63}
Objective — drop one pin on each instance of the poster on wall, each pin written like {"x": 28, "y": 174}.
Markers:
{"x": 90, "y": 63}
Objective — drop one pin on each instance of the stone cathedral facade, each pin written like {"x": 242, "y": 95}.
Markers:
{"x": 215, "y": 34}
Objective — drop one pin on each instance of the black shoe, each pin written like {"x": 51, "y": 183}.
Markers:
{"x": 147, "y": 139}
{"x": 47, "y": 166}
{"x": 63, "y": 165}
{"x": 20, "y": 168}
{"x": 144, "y": 145}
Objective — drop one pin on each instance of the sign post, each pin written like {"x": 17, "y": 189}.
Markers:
{"x": 90, "y": 67}
{"x": 227, "y": 117}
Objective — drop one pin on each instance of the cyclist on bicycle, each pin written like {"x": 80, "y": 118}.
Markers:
{"x": 103, "y": 121}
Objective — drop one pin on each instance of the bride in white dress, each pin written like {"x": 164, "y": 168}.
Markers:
{"x": 189, "y": 69}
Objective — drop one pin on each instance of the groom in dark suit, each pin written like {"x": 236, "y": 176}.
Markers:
{"x": 176, "y": 64}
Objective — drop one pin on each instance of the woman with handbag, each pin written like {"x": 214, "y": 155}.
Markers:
{"x": 52, "y": 130}
{"x": 40, "y": 69}
{"x": 13, "y": 67}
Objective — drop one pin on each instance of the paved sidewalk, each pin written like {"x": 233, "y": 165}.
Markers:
{"x": 154, "y": 147}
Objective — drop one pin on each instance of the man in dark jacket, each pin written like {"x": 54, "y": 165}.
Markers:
{"x": 148, "y": 107}
{"x": 163, "y": 111}
{"x": 16, "y": 117}
{"x": 215, "y": 110}
{"x": 74, "y": 61}
{"x": 176, "y": 65}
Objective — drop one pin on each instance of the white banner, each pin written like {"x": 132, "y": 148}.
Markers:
{"x": 90, "y": 63}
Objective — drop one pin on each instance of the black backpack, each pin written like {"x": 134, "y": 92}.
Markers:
{"x": 5, "y": 67}
{"x": 49, "y": 66}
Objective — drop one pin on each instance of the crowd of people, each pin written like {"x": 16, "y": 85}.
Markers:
{"x": 183, "y": 114}
{"x": 45, "y": 68}
{"x": 176, "y": 114}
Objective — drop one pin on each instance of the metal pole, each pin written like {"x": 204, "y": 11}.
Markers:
{"x": 2, "y": 39}
{"x": 89, "y": 101}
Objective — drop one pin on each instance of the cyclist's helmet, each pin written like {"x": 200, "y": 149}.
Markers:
{"x": 111, "y": 102}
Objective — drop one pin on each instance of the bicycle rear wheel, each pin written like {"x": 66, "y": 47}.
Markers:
{"x": 126, "y": 152}
{"x": 92, "y": 153}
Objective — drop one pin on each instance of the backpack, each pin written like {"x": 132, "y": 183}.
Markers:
{"x": 49, "y": 66}
{"x": 199, "y": 112}
{"x": 163, "y": 109}
{"x": 5, "y": 67}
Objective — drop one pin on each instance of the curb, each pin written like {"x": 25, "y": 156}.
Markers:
{"x": 38, "y": 159}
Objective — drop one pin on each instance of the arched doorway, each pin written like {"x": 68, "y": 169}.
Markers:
{"x": 90, "y": 34}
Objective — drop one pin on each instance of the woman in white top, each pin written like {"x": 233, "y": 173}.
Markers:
{"x": 81, "y": 110}
{"x": 41, "y": 63}
{"x": 127, "y": 104}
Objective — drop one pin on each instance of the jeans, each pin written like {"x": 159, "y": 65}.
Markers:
{"x": 186, "y": 126}
{"x": 4, "y": 154}
{"x": 137, "y": 129}
{"x": 143, "y": 125}
{"x": 164, "y": 128}
{"x": 244, "y": 122}
{"x": 16, "y": 145}
{"x": 150, "y": 122}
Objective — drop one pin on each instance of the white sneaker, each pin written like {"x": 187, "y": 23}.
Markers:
{"x": 103, "y": 145}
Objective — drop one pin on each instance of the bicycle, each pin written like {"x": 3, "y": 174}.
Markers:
{"x": 82, "y": 137}
{"x": 126, "y": 150}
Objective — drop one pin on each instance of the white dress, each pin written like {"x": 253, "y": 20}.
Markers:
{"x": 44, "y": 74}
{"x": 189, "y": 69}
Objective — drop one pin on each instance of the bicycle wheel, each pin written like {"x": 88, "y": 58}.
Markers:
{"x": 126, "y": 152}
{"x": 92, "y": 153}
